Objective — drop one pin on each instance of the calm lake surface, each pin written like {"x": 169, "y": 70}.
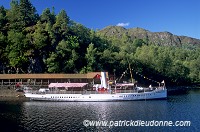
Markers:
{"x": 69, "y": 116}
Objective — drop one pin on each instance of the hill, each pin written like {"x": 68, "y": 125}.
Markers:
{"x": 159, "y": 38}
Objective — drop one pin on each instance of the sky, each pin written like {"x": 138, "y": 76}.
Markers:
{"x": 180, "y": 17}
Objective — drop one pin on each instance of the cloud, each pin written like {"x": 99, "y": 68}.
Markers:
{"x": 123, "y": 24}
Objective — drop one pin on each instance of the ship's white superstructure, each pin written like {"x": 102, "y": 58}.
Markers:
{"x": 103, "y": 92}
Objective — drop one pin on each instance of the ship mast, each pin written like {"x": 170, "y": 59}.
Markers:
{"x": 129, "y": 65}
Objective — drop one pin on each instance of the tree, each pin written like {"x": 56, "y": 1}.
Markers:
{"x": 40, "y": 46}
{"x": 12, "y": 15}
{"x": 3, "y": 20}
{"x": 65, "y": 56}
{"x": 53, "y": 63}
{"x": 21, "y": 15}
{"x": 3, "y": 56}
{"x": 27, "y": 14}
{"x": 47, "y": 16}
{"x": 40, "y": 37}
{"x": 61, "y": 26}
{"x": 67, "y": 53}
{"x": 90, "y": 57}
{"x": 17, "y": 50}
{"x": 3, "y": 38}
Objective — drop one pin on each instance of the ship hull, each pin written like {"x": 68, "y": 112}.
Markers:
{"x": 157, "y": 94}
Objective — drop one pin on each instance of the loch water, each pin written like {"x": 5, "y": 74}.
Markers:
{"x": 36, "y": 116}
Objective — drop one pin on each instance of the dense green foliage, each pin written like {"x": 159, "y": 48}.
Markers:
{"x": 50, "y": 43}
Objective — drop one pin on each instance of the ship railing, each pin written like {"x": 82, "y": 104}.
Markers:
{"x": 82, "y": 92}
{"x": 112, "y": 91}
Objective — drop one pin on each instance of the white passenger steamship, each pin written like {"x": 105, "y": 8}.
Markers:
{"x": 99, "y": 92}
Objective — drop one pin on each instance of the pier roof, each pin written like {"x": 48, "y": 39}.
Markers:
{"x": 89, "y": 75}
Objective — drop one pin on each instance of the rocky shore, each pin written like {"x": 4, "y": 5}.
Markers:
{"x": 11, "y": 94}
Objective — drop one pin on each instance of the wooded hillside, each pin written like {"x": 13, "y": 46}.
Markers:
{"x": 53, "y": 43}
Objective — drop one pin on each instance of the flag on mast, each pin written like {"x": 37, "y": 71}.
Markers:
{"x": 163, "y": 81}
